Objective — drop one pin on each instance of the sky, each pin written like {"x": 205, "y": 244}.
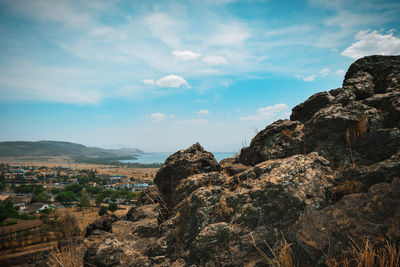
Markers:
{"x": 162, "y": 75}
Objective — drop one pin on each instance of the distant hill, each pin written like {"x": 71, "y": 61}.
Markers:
{"x": 67, "y": 149}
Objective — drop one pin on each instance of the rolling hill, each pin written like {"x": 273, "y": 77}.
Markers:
{"x": 65, "y": 149}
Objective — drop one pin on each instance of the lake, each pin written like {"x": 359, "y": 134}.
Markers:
{"x": 160, "y": 157}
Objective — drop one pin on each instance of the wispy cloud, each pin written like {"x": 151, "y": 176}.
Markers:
{"x": 215, "y": 60}
{"x": 185, "y": 55}
{"x": 203, "y": 112}
{"x": 197, "y": 121}
{"x": 268, "y": 113}
{"x": 158, "y": 117}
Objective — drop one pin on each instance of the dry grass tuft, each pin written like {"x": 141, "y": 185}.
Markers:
{"x": 355, "y": 131}
{"x": 368, "y": 255}
{"x": 282, "y": 254}
{"x": 66, "y": 256}
{"x": 287, "y": 133}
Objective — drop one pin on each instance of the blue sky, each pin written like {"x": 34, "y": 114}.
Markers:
{"x": 161, "y": 75}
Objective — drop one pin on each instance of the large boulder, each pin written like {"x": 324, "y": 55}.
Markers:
{"x": 106, "y": 254}
{"x": 181, "y": 165}
{"x": 304, "y": 111}
{"x": 281, "y": 139}
{"x": 104, "y": 224}
{"x": 374, "y": 215}
{"x": 269, "y": 196}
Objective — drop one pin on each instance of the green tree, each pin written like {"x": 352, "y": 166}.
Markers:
{"x": 112, "y": 206}
{"x": 41, "y": 197}
{"x": 7, "y": 210}
{"x": 76, "y": 188}
{"x": 103, "y": 210}
{"x": 66, "y": 197}
{"x": 94, "y": 190}
{"x": 99, "y": 199}
{"x": 84, "y": 201}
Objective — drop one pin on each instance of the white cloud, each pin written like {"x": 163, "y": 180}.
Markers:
{"x": 215, "y": 60}
{"x": 324, "y": 72}
{"x": 373, "y": 43}
{"x": 203, "y": 112}
{"x": 148, "y": 82}
{"x": 185, "y": 55}
{"x": 267, "y": 113}
{"x": 340, "y": 72}
{"x": 172, "y": 81}
{"x": 158, "y": 117}
{"x": 310, "y": 78}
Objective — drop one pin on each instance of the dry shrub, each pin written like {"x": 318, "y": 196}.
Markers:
{"x": 368, "y": 255}
{"x": 354, "y": 131}
{"x": 287, "y": 133}
{"x": 69, "y": 226}
{"x": 282, "y": 254}
{"x": 65, "y": 256}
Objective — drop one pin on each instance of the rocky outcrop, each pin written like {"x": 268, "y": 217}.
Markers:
{"x": 103, "y": 224}
{"x": 342, "y": 125}
{"x": 179, "y": 166}
{"x": 324, "y": 179}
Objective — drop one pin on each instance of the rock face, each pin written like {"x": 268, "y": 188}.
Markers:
{"x": 327, "y": 175}
{"x": 281, "y": 139}
{"x": 103, "y": 224}
{"x": 181, "y": 165}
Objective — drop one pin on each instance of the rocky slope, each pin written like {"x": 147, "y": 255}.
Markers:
{"x": 326, "y": 176}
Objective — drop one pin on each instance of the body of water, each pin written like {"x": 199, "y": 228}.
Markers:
{"x": 160, "y": 157}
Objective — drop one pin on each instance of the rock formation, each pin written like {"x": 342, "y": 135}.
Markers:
{"x": 327, "y": 175}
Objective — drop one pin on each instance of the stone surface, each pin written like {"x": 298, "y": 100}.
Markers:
{"x": 106, "y": 254}
{"x": 374, "y": 215}
{"x": 281, "y": 139}
{"x": 180, "y": 165}
{"x": 103, "y": 224}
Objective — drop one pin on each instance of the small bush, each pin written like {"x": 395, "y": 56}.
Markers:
{"x": 112, "y": 207}
{"x": 103, "y": 210}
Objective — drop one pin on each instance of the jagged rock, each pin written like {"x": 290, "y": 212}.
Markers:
{"x": 149, "y": 211}
{"x": 374, "y": 215}
{"x": 383, "y": 70}
{"x": 270, "y": 195}
{"x": 103, "y": 224}
{"x": 231, "y": 166}
{"x": 304, "y": 111}
{"x": 281, "y": 139}
{"x": 211, "y": 245}
{"x": 383, "y": 171}
{"x": 106, "y": 254}
{"x": 180, "y": 165}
